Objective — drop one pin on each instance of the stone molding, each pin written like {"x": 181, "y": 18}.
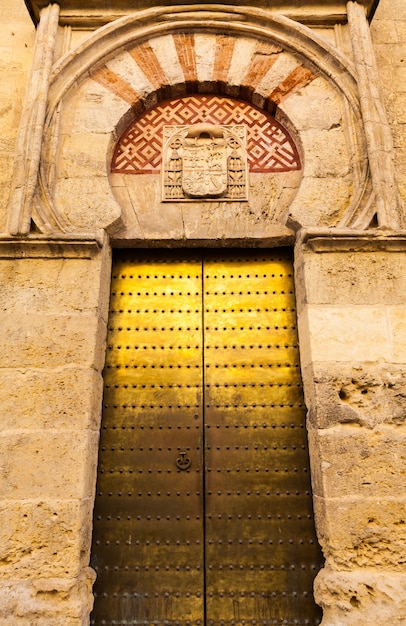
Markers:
{"x": 387, "y": 203}
{"x": 46, "y": 248}
{"x": 348, "y": 240}
{"x": 94, "y": 14}
{"x": 29, "y": 141}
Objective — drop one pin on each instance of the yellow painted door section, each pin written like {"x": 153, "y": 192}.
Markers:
{"x": 203, "y": 511}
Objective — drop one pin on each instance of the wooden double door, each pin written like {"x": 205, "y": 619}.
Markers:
{"x": 203, "y": 512}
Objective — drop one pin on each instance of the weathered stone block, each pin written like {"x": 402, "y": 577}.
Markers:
{"x": 123, "y": 66}
{"x": 81, "y": 159}
{"x": 93, "y": 109}
{"x": 8, "y": 114}
{"x": 38, "y": 464}
{"x": 35, "y": 340}
{"x": 362, "y": 532}
{"x": 52, "y": 285}
{"x": 326, "y": 153}
{"x": 355, "y": 393}
{"x": 359, "y": 278}
{"x": 389, "y": 9}
{"x": 144, "y": 193}
{"x": 361, "y": 597}
{"x": 283, "y": 66}
{"x": 47, "y": 602}
{"x": 349, "y": 460}
{"x": 352, "y": 333}
{"x": 237, "y": 220}
{"x": 87, "y": 202}
{"x": 400, "y": 72}
{"x": 321, "y": 201}
{"x": 165, "y": 50}
{"x": 397, "y": 321}
{"x": 44, "y": 538}
{"x": 205, "y": 45}
{"x": 317, "y": 107}
{"x": 66, "y": 398}
{"x": 128, "y": 212}
{"x": 400, "y": 27}
{"x": 400, "y": 107}
{"x": 384, "y": 32}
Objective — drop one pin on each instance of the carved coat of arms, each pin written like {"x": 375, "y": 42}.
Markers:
{"x": 204, "y": 162}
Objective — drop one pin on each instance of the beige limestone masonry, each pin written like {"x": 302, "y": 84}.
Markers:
{"x": 55, "y": 274}
{"x": 389, "y": 37}
{"x": 16, "y": 49}
{"x": 53, "y": 322}
{"x": 355, "y": 393}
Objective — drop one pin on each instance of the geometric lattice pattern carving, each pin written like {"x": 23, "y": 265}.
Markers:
{"x": 269, "y": 146}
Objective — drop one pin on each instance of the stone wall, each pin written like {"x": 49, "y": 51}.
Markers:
{"x": 389, "y": 37}
{"x": 353, "y": 315}
{"x": 53, "y": 317}
{"x": 54, "y": 295}
{"x": 17, "y": 41}
{"x": 352, "y": 322}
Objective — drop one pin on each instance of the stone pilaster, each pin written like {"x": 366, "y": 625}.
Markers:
{"x": 30, "y": 135}
{"x": 387, "y": 203}
{"x": 53, "y": 319}
{"x": 352, "y": 322}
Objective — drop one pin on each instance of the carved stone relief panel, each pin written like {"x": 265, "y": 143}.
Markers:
{"x": 205, "y": 167}
{"x": 204, "y": 162}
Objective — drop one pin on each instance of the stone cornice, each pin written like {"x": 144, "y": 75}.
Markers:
{"x": 348, "y": 240}
{"x": 95, "y": 13}
{"x": 35, "y": 247}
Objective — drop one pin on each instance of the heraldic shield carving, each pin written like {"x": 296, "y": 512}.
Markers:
{"x": 204, "y": 162}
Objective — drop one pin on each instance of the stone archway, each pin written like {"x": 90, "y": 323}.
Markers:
{"x": 130, "y": 65}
